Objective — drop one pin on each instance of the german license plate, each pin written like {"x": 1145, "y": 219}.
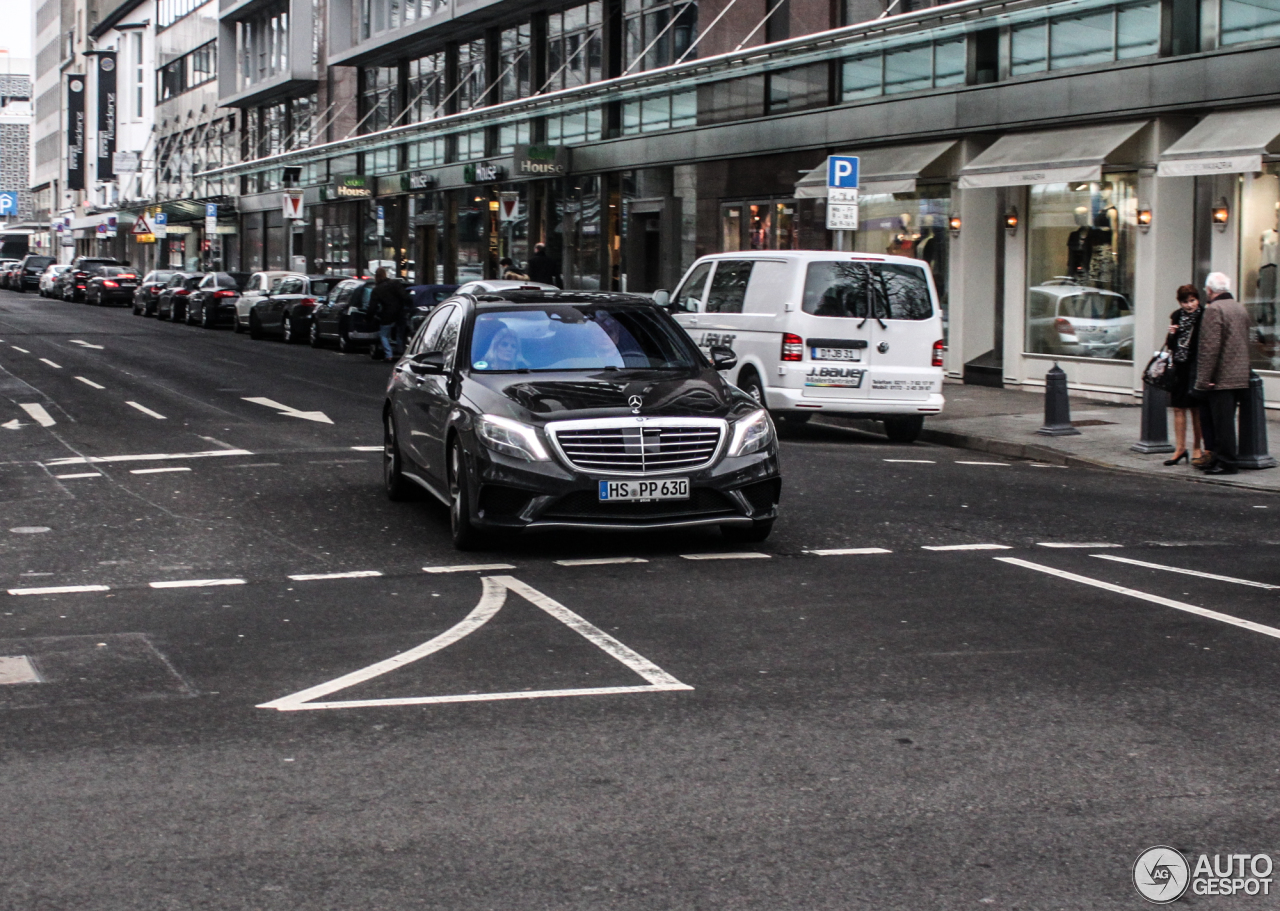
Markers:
{"x": 837, "y": 354}
{"x": 633, "y": 491}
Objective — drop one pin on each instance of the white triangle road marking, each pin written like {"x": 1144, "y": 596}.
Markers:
{"x": 38, "y": 414}
{"x": 491, "y": 601}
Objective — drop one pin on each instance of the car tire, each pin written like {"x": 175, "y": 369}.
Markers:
{"x": 465, "y": 535}
{"x": 747, "y": 534}
{"x": 255, "y": 327}
{"x": 904, "y": 429}
{"x": 207, "y": 320}
{"x": 313, "y": 335}
{"x": 398, "y": 487}
{"x": 749, "y": 382}
{"x": 345, "y": 345}
{"x": 288, "y": 332}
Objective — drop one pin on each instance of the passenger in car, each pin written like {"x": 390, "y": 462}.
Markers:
{"x": 504, "y": 351}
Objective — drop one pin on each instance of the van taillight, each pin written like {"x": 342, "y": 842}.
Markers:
{"x": 938, "y": 347}
{"x": 792, "y": 347}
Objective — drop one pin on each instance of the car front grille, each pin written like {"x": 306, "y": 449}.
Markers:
{"x": 639, "y": 448}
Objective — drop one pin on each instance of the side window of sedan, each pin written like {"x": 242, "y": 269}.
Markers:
{"x": 429, "y": 335}
{"x": 448, "y": 341}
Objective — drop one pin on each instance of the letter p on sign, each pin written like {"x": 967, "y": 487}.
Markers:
{"x": 8, "y": 203}
{"x": 842, "y": 171}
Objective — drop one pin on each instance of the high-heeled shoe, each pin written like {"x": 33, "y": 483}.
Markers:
{"x": 1180, "y": 457}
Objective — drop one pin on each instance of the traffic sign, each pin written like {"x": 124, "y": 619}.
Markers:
{"x": 508, "y": 206}
{"x": 292, "y": 204}
{"x": 8, "y": 203}
{"x": 382, "y": 221}
{"x": 160, "y": 225}
{"x": 140, "y": 226}
{"x": 842, "y": 193}
{"x": 842, "y": 171}
{"x": 210, "y": 218}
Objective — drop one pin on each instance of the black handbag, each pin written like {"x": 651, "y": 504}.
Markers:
{"x": 1161, "y": 372}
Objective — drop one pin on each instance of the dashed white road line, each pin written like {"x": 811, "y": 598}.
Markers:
{"x": 600, "y": 561}
{"x": 1002, "y": 464}
{"x": 59, "y": 589}
{"x": 51, "y": 363}
{"x": 1068, "y": 545}
{"x": 913, "y": 461}
{"x": 966, "y": 547}
{"x": 1154, "y": 599}
{"x": 159, "y": 470}
{"x": 847, "y": 551}
{"x": 149, "y": 457}
{"x": 84, "y": 344}
{"x": 195, "y": 583}
{"x": 38, "y": 414}
{"x": 1045, "y": 465}
{"x": 736, "y": 556}
{"x": 367, "y": 448}
{"x": 89, "y": 382}
{"x": 145, "y": 410}
{"x": 467, "y": 568}
{"x": 16, "y": 348}
{"x": 1186, "y": 572}
{"x": 81, "y": 474}
{"x": 318, "y": 577}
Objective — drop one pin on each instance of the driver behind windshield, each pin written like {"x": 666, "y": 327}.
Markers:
{"x": 504, "y": 352}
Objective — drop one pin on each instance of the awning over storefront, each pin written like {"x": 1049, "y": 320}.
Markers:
{"x": 1228, "y": 142}
{"x": 1053, "y": 156}
{"x": 889, "y": 170}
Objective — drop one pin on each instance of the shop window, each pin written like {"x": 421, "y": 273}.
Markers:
{"x": 1080, "y": 265}
{"x": 1249, "y": 20}
{"x": 861, "y": 77}
{"x": 1258, "y": 287}
{"x": 787, "y": 226}
{"x": 760, "y": 226}
{"x": 730, "y": 228}
{"x": 910, "y": 224}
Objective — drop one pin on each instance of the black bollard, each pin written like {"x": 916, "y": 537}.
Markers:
{"x": 1253, "y": 428}
{"x": 1057, "y": 409}
{"x": 1155, "y": 421}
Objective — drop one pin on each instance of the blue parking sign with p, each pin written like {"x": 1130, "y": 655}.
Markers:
{"x": 842, "y": 171}
{"x": 8, "y": 202}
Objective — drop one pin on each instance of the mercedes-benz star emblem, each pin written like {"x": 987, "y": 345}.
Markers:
{"x": 635, "y": 402}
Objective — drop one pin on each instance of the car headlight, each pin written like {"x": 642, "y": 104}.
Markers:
{"x": 751, "y": 433}
{"x": 511, "y": 438}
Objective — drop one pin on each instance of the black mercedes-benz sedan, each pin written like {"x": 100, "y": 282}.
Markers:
{"x": 527, "y": 410}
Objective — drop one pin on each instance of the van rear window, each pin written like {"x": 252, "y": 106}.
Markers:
{"x": 867, "y": 291}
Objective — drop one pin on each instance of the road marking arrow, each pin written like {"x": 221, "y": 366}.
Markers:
{"x": 318, "y": 416}
{"x": 83, "y": 344}
{"x": 12, "y": 425}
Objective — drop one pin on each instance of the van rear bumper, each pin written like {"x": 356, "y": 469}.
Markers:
{"x": 783, "y": 401}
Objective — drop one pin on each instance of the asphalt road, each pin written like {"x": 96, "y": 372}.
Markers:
{"x": 775, "y": 729}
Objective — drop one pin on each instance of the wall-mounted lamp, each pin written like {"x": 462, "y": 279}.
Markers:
{"x": 1011, "y": 220}
{"x": 493, "y": 205}
{"x": 953, "y": 223}
{"x": 1144, "y": 218}
{"x": 1221, "y": 214}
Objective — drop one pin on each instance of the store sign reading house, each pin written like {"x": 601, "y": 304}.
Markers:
{"x": 483, "y": 172}
{"x": 349, "y": 186}
{"x": 541, "y": 161}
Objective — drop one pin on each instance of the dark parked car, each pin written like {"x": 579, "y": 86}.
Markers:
{"x": 7, "y": 272}
{"x": 539, "y": 410}
{"x": 111, "y": 285}
{"x": 71, "y": 284}
{"x": 213, "y": 303}
{"x": 425, "y": 299}
{"x": 344, "y": 316}
{"x": 147, "y": 295}
{"x": 172, "y": 303}
{"x": 27, "y": 272}
{"x": 286, "y": 310}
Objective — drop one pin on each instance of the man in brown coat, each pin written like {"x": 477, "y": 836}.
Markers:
{"x": 1222, "y": 368}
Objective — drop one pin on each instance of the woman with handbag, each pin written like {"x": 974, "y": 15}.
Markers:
{"x": 1181, "y": 342}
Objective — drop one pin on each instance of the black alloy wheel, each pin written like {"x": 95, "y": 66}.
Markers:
{"x": 208, "y": 320}
{"x": 313, "y": 335}
{"x": 749, "y": 383}
{"x": 255, "y": 327}
{"x": 904, "y": 429}
{"x": 465, "y": 535}
{"x": 398, "y": 487}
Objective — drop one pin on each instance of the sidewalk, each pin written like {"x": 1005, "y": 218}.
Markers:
{"x": 1004, "y": 422}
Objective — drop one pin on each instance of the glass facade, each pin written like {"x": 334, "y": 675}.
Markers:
{"x": 262, "y": 46}
{"x": 661, "y": 112}
{"x": 1258, "y": 285}
{"x": 575, "y": 46}
{"x": 1249, "y": 20}
{"x": 1080, "y": 263}
{"x": 906, "y": 69}
{"x": 1094, "y": 37}
{"x": 426, "y": 87}
{"x": 660, "y": 31}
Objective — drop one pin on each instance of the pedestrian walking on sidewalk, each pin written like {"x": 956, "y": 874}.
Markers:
{"x": 388, "y": 302}
{"x": 542, "y": 268}
{"x": 1183, "y": 335}
{"x": 1222, "y": 371}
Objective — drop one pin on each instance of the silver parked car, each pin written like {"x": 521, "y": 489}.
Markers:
{"x": 1067, "y": 318}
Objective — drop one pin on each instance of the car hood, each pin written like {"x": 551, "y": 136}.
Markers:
{"x": 543, "y": 397}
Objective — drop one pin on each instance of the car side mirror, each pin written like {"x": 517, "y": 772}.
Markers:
{"x": 428, "y": 364}
{"x": 662, "y": 298}
{"x": 723, "y": 358}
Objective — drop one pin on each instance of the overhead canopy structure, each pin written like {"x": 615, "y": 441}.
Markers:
{"x": 1228, "y": 142}
{"x": 1054, "y": 156}
{"x": 894, "y": 169}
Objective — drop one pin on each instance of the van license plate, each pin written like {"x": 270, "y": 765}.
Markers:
{"x": 633, "y": 491}
{"x": 837, "y": 354}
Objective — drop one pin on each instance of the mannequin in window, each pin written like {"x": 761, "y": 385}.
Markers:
{"x": 1103, "y": 267}
{"x": 1270, "y": 242}
{"x": 1080, "y": 245}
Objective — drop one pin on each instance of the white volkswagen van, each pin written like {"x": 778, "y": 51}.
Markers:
{"x": 822, "y": 332}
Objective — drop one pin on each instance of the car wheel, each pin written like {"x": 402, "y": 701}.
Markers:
{"x": 236, "y": 325}
{"x": 313, "y": 335}
{"x": 207, "y": 319}
{"x": 747, "y": 534}
{"x": 345, "y": 345}
{"x": 904, "y": 429}
{"x": 287, "y": 332}
{"x": 398, "y": 487}
{"x": 255, "y": 327}
{"x": 465, "y": 535}
{"x": 750, "y": 383}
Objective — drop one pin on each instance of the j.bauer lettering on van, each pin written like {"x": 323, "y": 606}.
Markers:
{"x": 848, "y": 377}
{"x": 710, "y": 339}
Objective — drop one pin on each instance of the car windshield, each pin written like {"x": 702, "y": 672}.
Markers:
{"x": 160, "y": 276}
{"x": 577, "y": 337}
{"x": 865, "y": 290}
